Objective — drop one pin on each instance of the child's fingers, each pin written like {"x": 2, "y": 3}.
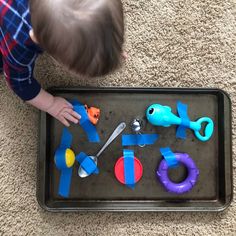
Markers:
{"x": 72, "y": 112}
{"x": 64, "y": 121}
{"x": 70, "y": 118}
{"x": 69, "y": 104}
{"x": 75, "y": 114}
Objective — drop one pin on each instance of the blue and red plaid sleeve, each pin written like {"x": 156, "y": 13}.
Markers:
{"x": 20, "y": 80}
{"x": 18, "y": 51}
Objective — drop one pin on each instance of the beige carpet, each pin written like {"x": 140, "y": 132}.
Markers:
{"x": 171, "y": 43}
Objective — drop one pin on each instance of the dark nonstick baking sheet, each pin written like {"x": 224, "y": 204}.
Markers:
{"x": 213, "y": 191}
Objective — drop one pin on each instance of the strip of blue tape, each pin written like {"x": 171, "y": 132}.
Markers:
{"x": 66, "y": 173}
{"x": 85, "y": 123}
{"x": 169, "y": 156}
{"x": 60, "y": 158}
{"x": 138, "y": 139}
{"x": 65, "y": 181}
{"x": 87, "y": 163}
{"x": 129, "y": 172}
{"x": 66, "y": 139}
{"x": 185, "y": 122}
{"x": 80, "y": 157}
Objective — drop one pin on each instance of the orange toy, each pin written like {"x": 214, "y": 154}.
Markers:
{"x": 93, "y": 114}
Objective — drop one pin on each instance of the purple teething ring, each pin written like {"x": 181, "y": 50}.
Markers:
{"x": 188, "y": 183}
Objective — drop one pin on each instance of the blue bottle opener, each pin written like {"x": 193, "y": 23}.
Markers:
{"x": 162, "y": 116}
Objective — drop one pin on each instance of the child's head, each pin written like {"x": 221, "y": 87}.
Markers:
{"x": 84, "y": 35}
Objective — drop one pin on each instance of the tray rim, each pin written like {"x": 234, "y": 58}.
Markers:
{"x": 41, "y": 199}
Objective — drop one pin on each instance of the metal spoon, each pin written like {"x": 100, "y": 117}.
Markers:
{"x": 81, "y": 172}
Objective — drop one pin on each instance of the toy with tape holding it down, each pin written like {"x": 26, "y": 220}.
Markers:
{"x": 162, "y": 116}
{"x": 89, "y": 118}
{"x": 172, "y": 160}
{"x": 128, "y": 169}
{"x": 65, "y": 158}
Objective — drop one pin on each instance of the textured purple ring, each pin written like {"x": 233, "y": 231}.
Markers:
{"x": 188, "y": 183}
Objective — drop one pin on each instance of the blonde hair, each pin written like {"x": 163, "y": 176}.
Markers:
{"x": 84, "y": 35}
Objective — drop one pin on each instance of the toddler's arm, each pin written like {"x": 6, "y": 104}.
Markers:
{"x": 21, "y": 81}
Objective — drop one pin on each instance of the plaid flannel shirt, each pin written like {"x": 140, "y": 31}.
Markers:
{"x": 18, "y": 51}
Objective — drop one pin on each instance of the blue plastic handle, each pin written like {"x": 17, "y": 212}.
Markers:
{"x": 208, "y": 130}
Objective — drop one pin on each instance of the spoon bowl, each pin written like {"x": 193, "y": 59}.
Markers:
{"x": 81, "y": 172}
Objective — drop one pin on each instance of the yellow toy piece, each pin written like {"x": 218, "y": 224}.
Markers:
{"x": 70, "y": 158}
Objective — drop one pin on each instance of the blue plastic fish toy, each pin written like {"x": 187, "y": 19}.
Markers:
{"x": 162, "y": 116}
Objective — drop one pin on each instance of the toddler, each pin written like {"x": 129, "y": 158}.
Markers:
{"x": 85, "y": 36}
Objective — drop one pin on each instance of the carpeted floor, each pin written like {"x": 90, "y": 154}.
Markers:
{"x": 171, "y": 43}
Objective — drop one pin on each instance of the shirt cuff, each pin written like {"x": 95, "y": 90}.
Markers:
{"x": 30, "y": 91}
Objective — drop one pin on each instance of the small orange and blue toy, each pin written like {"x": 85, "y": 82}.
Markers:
{"x": 89, "y": 117}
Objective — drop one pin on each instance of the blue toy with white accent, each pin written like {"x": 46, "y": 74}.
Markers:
{"x": 160, "y": 115}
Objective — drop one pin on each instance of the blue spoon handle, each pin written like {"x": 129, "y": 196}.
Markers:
{"x": 197, "y": 126}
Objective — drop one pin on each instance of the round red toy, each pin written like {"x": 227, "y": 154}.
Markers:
{"x": 119, "y": 170}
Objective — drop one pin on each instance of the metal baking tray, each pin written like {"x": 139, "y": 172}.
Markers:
{"x": 102, "y": 192}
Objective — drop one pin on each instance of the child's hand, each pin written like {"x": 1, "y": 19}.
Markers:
{"x": 58, "y": 107}
{"x": 62, "y": 110}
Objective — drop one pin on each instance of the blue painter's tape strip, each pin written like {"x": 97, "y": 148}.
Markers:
{"x": 60, "y": 158}
{"x": 80, "y": 157}
{"x": 89, "y": 166}
{"x": 129, "y": 172}
{"x": 75, "y": 102}
{"x": 185, "y": 122}
{"x": 66, "y": 139}
{"x": 60, "y": 161}
{"x": 85, "y": 123}
{"x": 65, "y": 181}
{"x": 138, "y": 139}
{"x": 169, "y": 156}
{"x": 87, "y": 163}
